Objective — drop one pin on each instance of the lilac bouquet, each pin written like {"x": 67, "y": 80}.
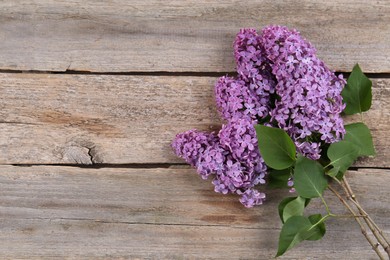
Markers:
{"x": 284, "y": 127}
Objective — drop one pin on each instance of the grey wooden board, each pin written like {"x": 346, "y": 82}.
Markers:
{"x": 71, "y": 212}
{"x": 84, "y": 119}
{"x": 123, "y": 36}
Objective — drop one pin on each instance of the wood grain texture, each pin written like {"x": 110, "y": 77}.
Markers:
{"x": 56, "y": 212}
{"x": 123, "y": 36}
{"x": 85, "y": 119}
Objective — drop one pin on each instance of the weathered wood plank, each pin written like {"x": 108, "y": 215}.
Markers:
{"x": 182, "y": 36}
{"x": 101, "y": 119}
{"x": 75, "y": 212}
{"x": 66, "y": 119}
{"x": 78, "y": 239}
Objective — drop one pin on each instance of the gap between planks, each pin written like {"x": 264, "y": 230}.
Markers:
{"x": 149, "y": 166}
{"x": 164, "y": 73}
{"x": 107, "y": 165}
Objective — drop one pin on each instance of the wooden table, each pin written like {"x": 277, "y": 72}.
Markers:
{"x": 93, "y": 92}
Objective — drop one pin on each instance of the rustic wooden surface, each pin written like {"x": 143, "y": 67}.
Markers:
{"x": 103, "y": 118}
{"x": 160, "y": 213}
{"x": 189, "y": 35}
{"x": 109, "y": 83}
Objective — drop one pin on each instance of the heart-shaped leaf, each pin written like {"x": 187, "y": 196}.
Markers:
{"x": 276, "y": 147}
{"x": 287, "y": 200}
{"x": 309, "y": 178}
{"x": 319, "y": 230}
{"x": 333, "y": 172}
{"x": 360, "y": 135}
{"x": 294, "y": 208}
{"x": 283, "y": 204}
{"x": 292, "y": 233}
{"x": 342, "y": 154}
{"x": 299, "y": 228}
{"x": 278, "y": 178}
{"x": 357, "y": 93}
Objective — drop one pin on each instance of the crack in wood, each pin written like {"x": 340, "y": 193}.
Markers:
{"x": 152, "y": 223}
{"x": 18, "y": 123}
{"x": 108, "y": 165}
{"x": 162, "y": 73}
{"x": 81, "y": 154}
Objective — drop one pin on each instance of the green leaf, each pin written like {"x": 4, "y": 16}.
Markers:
{"x": 342, "y": 154}
{"x": 357, "y": 93}
{"x": 276, "y": 147}
{"x": 309, "y": 178}
{"x": 299, "y": 228}
{"x": 283, "y": 204}
{"x": 333, "y": 172}
{"x": 294, "y": 208}
{"x": 292, "y": 233}
{"x": 340, "y": 175}
{"x": 319, "y": 230}
{"x": 286, "y": 201}
{"x": 278, "y": 178}
{"x": 360, "y": 135}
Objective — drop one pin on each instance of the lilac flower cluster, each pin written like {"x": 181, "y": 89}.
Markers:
{"x": 310, "y": 94}
{"x": 280, "y": 83}
{"x": 232, "y": 156}
{"x": 191, "y": 144}
{"x": 249, "y": 95}
{"x": 244, "y": 166}
{"x": 280, "y": 77}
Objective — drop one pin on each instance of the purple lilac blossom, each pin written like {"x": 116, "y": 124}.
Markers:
{"x": 310, "y": 94}
{"x": 235, "y": 100}
{"x": 244, "y": 167}
{"x": 279, "y": 77}
{"x": 290, "y": 184}
{"x": 191, "y": 144}
{"x": 252, "y": 65}
{"x": 211, "y": 161}
{"x": 233, "y": 157}
{"x": 248, "y": 95}
{"x": 252, "y": 197}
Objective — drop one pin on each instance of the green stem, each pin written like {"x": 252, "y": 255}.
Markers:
{"x": 326, "y": 206}
{"x": 320, "y": 221}
{"x": 337, "y": 180}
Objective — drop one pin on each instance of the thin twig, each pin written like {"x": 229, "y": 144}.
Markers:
{"x": 355, "y": 201}
{"x": 378, "y": 233}
{"x": 362, "y": 227}
{"x": 349, "y": 216}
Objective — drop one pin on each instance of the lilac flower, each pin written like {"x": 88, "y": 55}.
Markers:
{"x": 232, "y": 156}
{"x": 310, "y": 94}
{"x": 239, "y": 136}
{"x": 254, "y": 76}
{"x": 211, "y": 161}
{"x": 290, "y": 183}
{"x": 281, "y": 83}
{"x": 244, "y": 167}
{"x": 252, "y": 197}
{"x": 191, "y": 144}
{"x": 311, "y": 150}
{"x": 235, "y": 99}
{"x": 252, "y": 65}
